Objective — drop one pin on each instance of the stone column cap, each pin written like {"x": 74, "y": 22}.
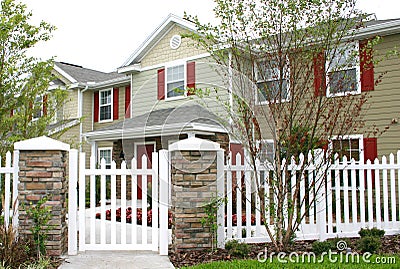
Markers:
{"x": 194, "y": 143}
{"x": 41, "y": 143}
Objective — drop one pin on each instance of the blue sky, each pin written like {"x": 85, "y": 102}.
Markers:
{"x": 102, "y": 34}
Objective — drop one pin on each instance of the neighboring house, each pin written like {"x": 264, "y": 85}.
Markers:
{"x": 137, "y": 111}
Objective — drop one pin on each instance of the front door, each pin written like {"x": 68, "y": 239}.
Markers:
{"x": 147, "y": 150}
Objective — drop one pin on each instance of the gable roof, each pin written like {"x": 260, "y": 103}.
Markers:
{"x": 156, "y": 35}
{"x": 79, "y": 74}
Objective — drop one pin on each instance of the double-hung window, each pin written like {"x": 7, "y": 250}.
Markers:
{"x": 105, "y": 105}
{"x": 105, "y": 153}
{"x": 267, "y": 153}
{"x": 343, "y": 74}
{"x": 349, "y": 146}
{"x": 175, "y": 81}
{"x": 272, "y": 79}
{"x": 38, "y": 108}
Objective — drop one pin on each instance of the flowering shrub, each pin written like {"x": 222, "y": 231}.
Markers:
{"x": 139, "y": 216}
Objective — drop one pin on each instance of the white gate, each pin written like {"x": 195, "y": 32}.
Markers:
{"x": 119, "y": 223}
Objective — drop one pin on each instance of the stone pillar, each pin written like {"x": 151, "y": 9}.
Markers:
{"x": 194, "y": 184}
{"x": 42, "y": 172}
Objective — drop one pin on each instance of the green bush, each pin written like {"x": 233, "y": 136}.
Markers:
{"x": 319, "y": 247}
{"x": 374, "y": 232}
{"x": 235, "y": 248}
{"x": 369, "y": 244}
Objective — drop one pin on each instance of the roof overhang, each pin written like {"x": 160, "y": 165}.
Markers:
{"x": 154, "y": 131}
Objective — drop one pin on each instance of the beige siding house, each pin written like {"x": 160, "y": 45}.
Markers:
{"x": 137, "y": 110}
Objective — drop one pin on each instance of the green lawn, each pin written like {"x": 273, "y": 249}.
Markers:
{"x": 395, "y": 263}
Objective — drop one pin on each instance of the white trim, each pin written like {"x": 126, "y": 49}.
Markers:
{"x": 154, "y": 35}
{"x": 112, "y": 105}
{"x": 263, "y": 80}
{"x": 353, "y": 136}
{"x": 64, "y": 74}
{"x": 137, "y": 68}
{"x": 64, "y": 126}
{"x": 41, "y": 143}
{"x": 172, "y": 65}
{"x": 105, "y": 149}
{"x": 354, "y": 46}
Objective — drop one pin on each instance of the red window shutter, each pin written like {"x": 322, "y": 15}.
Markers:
{"x": 191, "y": 77}
{"x": 370, "y": 153}
{"x": 366, "y": 67}
{"x": 115, "y": 103}
{"x": 370, "y": 149}
{"x": 96, "y": 107}
{"x": 45, "y": 105}
{"x": 161, "y": 84}
{"x": 127, "y": 101}
{"x": 319, "y": 74}
{"x": 236, "y": 148}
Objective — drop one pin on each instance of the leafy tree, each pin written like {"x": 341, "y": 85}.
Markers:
{"x": 26, "y": 105}
{"x": 275, "y": 57}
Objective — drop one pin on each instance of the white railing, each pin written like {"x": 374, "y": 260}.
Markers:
{"x": 9, "y": 173}
{"x": 350, "y": 196}
{"x": 102, "y": 234}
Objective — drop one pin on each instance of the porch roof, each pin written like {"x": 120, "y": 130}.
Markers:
{"x": 169, "y": 121}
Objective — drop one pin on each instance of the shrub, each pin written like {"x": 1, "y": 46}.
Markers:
{"x": 334, "y": 242}
{"x": 374, "y": 232}
{"x": 369, "y": 244}
{"x": 235, "y": 248}
{"x": 319, "y": 247}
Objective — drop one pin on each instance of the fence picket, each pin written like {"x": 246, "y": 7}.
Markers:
{"x": 369, "y": 191}
{"x": 134, "y": 201}
{"x": 385, "y": 192}
{"x": 103, "y": 230}
{"x": 377, "y": 196}
{"x": 238, "y": 197}
{"x": 345, "y": 192}
{"x": 123, "y": 203}
{"x": 229, "y": 197}
{"x": 393, "y": 204}
{"x": 7, "y": 186}
{"x": 353, "y": 196}
{"x": 155, "y": 202}
{"x": 113, "y": 204}
{"x": 92, "y": 196}
{"x": 144, "y": 201}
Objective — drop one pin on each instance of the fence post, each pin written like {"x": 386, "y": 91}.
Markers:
{"x": 163, "y": 207}
{"x": 72, "y": 202}
{"x": 221, "y": 195}
{"x": 320, "y": 195}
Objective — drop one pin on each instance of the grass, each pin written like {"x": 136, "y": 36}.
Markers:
{"x": 325, "y": 264}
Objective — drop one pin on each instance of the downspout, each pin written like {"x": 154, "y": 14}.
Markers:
{"x": 80, "y": 114}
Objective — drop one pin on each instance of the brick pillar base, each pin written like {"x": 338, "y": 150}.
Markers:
{"x": 43, "y": 173}
{"x": 193, "y": 179}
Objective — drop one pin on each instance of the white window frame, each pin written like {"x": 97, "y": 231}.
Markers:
{"x": 354, "y": 46}
{"x": 34, "y": 118}
{"x": 263, "y": 79}
{"x": 136, "y": 144}
{"x": 345, "y": 137}
{"x": 171, "y": 65}
{"x": 108, "y": 165}
{"x": 111, "y": 105}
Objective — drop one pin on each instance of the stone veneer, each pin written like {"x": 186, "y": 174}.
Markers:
{"x": 194, "y": 175}
{"x": 43, "y": 173}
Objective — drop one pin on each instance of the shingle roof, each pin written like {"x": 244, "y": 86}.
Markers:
{"x": 179, "y": 115}
{"x": 85, "y": 75}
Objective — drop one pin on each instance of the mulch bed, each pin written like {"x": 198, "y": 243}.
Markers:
{"x": 390, "y": 245}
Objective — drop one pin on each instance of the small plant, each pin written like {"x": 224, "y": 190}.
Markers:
{"x": 211, "y": 219}
{"x": 375, "y": 232}
{"x": 40, "y": 215}
{"x": 319, "y": 247}
{"x": 236, "y": 248}
{"x": 369, "y": 244}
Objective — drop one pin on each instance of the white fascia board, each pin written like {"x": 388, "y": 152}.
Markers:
{"x": 64, "y": 74}
{"x": 109, "y": 83}
{"x": 150, "y": 39}
{"x": 381, "y": 29}
{"x": 129, "y": 69}
{"x": 165, "y": 130}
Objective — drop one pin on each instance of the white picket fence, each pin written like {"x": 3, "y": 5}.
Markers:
{"x": 9, "y": 173}
{"x": 100, "y": 234}
{"x": 351, "y": 196}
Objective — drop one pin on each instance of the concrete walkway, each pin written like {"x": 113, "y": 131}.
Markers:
{"x": 117, "y": 260}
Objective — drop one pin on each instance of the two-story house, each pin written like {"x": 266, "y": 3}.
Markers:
{"x": 138, "y": 110}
